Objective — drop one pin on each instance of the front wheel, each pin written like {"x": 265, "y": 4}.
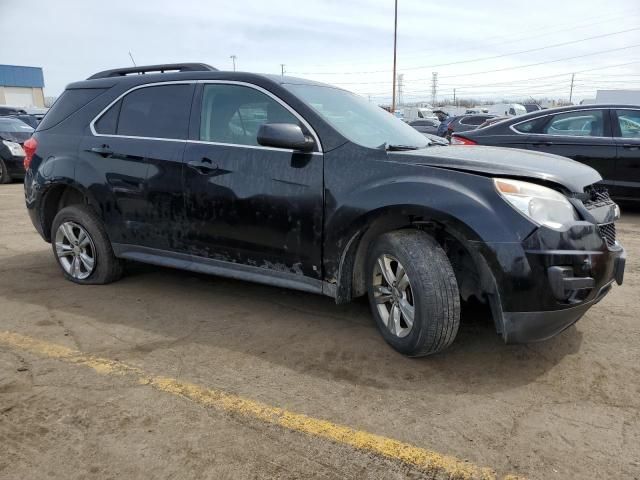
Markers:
{"x": 413, "y": 292}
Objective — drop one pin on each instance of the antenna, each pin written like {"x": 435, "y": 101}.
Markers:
{"x": 132, "y": 60}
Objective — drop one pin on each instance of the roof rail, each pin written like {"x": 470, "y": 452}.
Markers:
{"x": 141, "y": 70}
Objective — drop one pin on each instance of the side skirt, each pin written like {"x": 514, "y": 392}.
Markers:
{"x": 221, "y": 268}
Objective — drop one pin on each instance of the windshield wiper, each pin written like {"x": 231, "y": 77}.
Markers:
{"x": 395, "y": 148}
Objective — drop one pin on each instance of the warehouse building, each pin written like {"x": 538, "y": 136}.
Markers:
{"x": 21, "y": 86}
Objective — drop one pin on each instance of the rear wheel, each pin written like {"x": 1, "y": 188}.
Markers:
{"x": 413, "y": 292}
{"x": 82, "y": 248}
{"x": 4, "y": 174}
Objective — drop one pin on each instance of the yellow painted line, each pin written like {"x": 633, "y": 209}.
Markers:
{"x": 433, "y": 463}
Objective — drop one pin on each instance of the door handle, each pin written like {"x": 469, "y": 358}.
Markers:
{"x": 103, "y": 150}
{"x": 546, "y": 144}
{"x": 203, "y": 166}
{"x": 630, "y": 146}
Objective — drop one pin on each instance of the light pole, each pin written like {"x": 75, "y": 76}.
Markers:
{"x": 233, "y": 58}
{"x": 395, "y": 38}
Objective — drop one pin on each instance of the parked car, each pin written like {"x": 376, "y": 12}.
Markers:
{"x": 531, "y": 107}
{"x": 426, "y": 126}
{"x": 411, "y": 114}
{"x": 491, "y": 121}
{"x": 605, "y": 137}
{"x": 462, "y": 123}
{"x": 320, "y": 191}
{"x": 30, "y": 120}
{"x": 13, "y": 134}
{"x": 7, "y": 110}
{"x": 507, "y": 109}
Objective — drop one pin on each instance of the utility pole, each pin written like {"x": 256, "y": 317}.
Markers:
{"x": 454, "y": 97}
{"x": 571, "y": 91}
{"x": 233, "y": 58}
{"x": 282, "y": 65}
{"x": 400, "y": 87}
{"x": 395, "y": 42}
{"x": 434, "y": 87}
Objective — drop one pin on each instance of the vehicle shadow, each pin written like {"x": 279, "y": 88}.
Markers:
{"x": 303, "y": 332}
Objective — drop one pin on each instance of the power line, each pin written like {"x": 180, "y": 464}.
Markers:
{"x": 473, "y": 60}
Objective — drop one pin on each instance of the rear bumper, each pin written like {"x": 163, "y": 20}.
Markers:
{"x": 15, "y": 166}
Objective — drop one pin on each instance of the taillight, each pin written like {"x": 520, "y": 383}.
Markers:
{"x": 456, "y": 140}
{"x": 29, "y": 148}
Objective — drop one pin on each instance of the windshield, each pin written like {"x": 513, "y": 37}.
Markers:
{"x": 358, "y": 120}
{"x": 14, "y": 126}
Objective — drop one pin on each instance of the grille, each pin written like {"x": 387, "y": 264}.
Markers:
{"x": 608, "y": 232}
{"x": 598, "y": 196}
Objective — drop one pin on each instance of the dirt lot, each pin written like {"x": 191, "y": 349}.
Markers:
{"x": 566, "y": 408}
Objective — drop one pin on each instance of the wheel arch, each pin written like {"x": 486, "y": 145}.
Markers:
{"x": 59, "y": 195}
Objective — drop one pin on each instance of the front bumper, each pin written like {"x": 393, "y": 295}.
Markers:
{"x": 549, "y": 281}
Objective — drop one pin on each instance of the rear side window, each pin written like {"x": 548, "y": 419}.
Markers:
{"x": 629, "y": 121}
{"x": 528, "y": 127}
{"x": 583, "y": 123}
{"x": 153, "y": 112}
{"x": 69, "y": 102}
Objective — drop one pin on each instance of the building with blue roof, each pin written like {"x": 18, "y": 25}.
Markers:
{"x": 21, "y": 86}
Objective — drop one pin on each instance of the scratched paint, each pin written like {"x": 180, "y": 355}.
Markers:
{"x": 426, "y": 460}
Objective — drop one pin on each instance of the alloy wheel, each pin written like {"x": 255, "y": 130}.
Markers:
{"x": 393, "y": 295}
{"x": 75, "y": 250}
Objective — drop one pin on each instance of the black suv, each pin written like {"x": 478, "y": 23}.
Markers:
{"x": 302, "y": 185}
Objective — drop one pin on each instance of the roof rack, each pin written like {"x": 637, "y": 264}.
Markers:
{"x": 141, "y": 70}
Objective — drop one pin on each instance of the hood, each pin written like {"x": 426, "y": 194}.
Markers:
{"x": 17, "y": 137}
{"x": 506, "y": 162}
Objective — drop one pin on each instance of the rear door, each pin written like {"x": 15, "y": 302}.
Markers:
{"x": 626, "y": 130}
{"x": 582, "y": 135}
{"x": 137, "y": 145}
{"x": 245, "y": 203}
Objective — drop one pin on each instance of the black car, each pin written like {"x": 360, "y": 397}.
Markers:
{"x": 302, "y": 185}
{"x": 426, "y": 126}
{"x": 6, "y": 110}
{"x": 463, "y": 123}
{"x": 605, "y": 137}
{"x": 13, "y": 134}
{"x": 31, "y": 120}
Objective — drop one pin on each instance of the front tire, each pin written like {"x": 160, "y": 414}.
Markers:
{"x": 82, "y": 248}
{"x": 413, "y": 292}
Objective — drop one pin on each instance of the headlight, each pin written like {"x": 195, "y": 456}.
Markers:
{"x": 15, "y": 148}
{"x": 541, "y": 204}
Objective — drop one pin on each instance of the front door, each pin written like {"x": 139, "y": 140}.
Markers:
{"x": 626, "y": 127}
{"x": 245, "y": 203}
{"x": 582, "y": 135}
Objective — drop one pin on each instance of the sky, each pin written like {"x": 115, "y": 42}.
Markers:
{"x": 489, "y": 49}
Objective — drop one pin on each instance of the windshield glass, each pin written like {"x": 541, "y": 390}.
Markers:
{"x": 14, "y": 126}
{"x": 358, "y": 120}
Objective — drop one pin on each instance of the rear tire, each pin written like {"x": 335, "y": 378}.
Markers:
{"x": 82, "y": 248}
{"x": 4, "y": 173}
{"x": 420, "y": 282}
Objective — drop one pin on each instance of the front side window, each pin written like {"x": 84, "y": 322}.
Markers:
{"x": 584, "y": 123}
{"x": 153, "y": 112}
{"x": 356, "y": 119}
{"x": 629, "y": 121}
{"x": 234, "y": 113}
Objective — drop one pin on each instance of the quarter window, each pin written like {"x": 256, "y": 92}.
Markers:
{"x": 153, "y": 112}
{"x": 584, "y": 123}
{"x": 629, "y": 121}
{"x": 233, "y": 114}
{"x": 527, "y": 127}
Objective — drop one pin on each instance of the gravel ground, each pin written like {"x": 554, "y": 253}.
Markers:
{"x": 565, "y": 408}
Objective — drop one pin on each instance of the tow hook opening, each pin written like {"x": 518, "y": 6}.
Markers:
{"x": 566, "y": 287}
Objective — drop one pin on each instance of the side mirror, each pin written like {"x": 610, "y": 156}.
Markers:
{"x": 284, "y": 135}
